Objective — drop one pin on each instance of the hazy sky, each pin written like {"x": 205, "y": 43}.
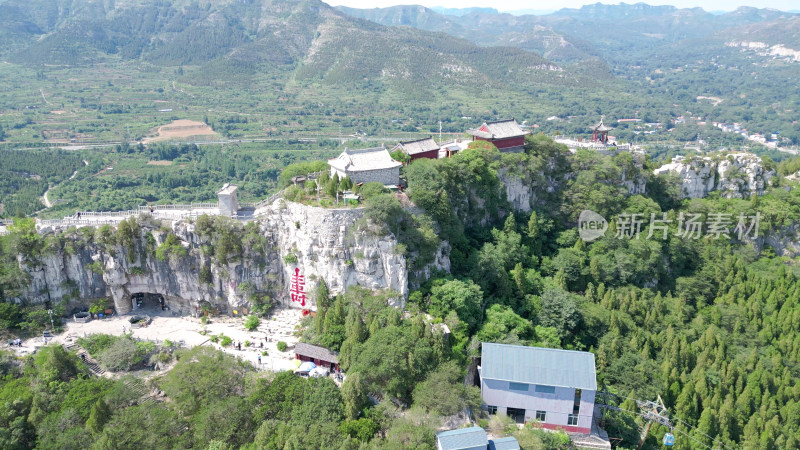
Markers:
{"x": 511, "y": 5}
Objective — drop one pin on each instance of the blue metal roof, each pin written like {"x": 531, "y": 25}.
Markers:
{"x": 537, "y": 365}
{"x": 506, "y": 443}
{"x": 463, "y": 438}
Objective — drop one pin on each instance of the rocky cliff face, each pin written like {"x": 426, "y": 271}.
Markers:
{"x": 328, "y": 247}
{"x": 526, "y": 189}
{"x": 785, "y": 241}
{"x": 737, "y": 175}
{"x": 288, "y": 241}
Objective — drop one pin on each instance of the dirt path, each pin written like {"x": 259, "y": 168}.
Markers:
{"x": 43, "y": 97}
{"x": 46, "y": 200}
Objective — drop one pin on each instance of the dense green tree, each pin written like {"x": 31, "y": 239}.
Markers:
{"x": 98, "y": 417}
{"x": 444, "y": 392}
{"x": 354, "y": 395}
{"x": 465, "y": 298}
{"x": 203, "y": 375}
{"x": 152, "y": 426}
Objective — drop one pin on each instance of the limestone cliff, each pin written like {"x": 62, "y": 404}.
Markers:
{"x": 531, "y": 186}
{"x": 737, "y": 175}
{"x": 219, "y": 261}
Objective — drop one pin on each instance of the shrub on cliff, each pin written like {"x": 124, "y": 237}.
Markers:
{"x": 171, "y": 247}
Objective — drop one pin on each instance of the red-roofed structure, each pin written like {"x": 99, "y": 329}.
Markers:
{"x": 420, "y": 148}
{"x": 506, "y": 135}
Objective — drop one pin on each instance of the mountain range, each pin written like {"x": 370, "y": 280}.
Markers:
{"x": 598, "y": 59}
{"x": 308, "y": 37}
{"x": 568, "y": 35}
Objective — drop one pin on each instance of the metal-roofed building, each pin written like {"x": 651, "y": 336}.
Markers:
{"x": 420, "y": 148}
{"x": 320, "y": 356}
{"x": 506, "y": 443}
{"x": 553, "y": 387}
{"x": 506, "y": 135}
{"x": 365, "y": 165}
{"x": 473, "y": 438}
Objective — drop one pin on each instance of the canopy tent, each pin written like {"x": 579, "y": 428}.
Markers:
{"x": 307, "y": 366}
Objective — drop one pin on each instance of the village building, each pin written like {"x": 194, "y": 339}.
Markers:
{"x": 320, "y": 356}
{"x": 473, "y": 438}
{"x": 420, "y": 148}
{"x": 366, "y": 165}
{"x": 554, "y": 388}
{"x": 506, "y": 135}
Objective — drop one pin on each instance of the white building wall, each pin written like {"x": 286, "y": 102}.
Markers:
{"x": 557, "y": 405}
{"x": 228, "y": 204}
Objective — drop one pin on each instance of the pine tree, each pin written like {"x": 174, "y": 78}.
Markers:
{"x": 354, "y": 395}
{"x": 534, "y": 234}
{"x": 323, "y": 297}
{"x": 98, "y": 417}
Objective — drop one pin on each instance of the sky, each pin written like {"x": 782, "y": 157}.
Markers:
{"x": 512, "y": 5}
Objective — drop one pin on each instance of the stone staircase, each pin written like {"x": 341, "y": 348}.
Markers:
{"x": 94, "y": 367}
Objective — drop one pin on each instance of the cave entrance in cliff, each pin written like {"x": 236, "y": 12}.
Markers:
{"x": 148, "y": 302}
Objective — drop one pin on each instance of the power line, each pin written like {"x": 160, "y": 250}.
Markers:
{"x": 660, "y": 419}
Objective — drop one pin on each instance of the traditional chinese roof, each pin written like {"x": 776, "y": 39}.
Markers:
{"x": 228, "y": 189}
{"x": 500, "y": 129}
{"x": 315, "y": 352}
{"x": 465, "y": 438}
{"x": 602, "y": 127}
{"x": 538, "y": 365}
{"x": 419, "y": 146}
{"x": 364, "y": 160}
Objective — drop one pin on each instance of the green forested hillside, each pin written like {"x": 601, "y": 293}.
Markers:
{"x": 709, "y": 324}
{"x": 680, "y": 56}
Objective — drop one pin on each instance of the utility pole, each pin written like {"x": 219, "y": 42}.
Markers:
{"x": 440, "y": 131}
{"x": 652, "y": 412}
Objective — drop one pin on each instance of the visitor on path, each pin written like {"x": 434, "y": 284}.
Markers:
{"x": 239, "y": 346}
{"x": 83, "y": 357}
{"x": 259, "y": 359}
{"x": 79, "y": 215}
{"x": 123, "y": 329}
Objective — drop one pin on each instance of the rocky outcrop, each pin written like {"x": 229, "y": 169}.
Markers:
{"x": 526, "y": 189}
{"x": 736, "y": 175}
{"x": 518, "y": 193}
{"x": 785, "y": 241}
{"x": 328, "y": 247}
{"x": 290, "y": 242}
{"x": 697, "y": 175}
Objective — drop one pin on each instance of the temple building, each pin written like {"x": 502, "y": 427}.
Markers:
{"x": 506, "y": 135}
{"x": 420, "y": 148}
{"x": 365, "y": 165}
{"x": 600, "y": 132}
